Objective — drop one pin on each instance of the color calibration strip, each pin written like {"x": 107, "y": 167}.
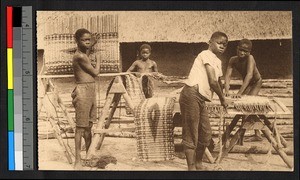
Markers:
{"x": 20, "y": 96}
{"x": 10, "y": 89}
{"x": 17, "y": 66}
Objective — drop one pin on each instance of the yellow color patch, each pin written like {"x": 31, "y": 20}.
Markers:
{"x": 10, "y": 70}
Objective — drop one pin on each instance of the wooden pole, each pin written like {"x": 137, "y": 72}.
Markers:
{"x": 99, "y": 75}
{"x": 116, "y": 100}
{"x": 233, "y": 123}
{"x": 98, "y": 138}
{"x": 279, "y": 150}
{"x": 257, "y": 150}
{"x": 225, "y": 150}
{"x": 271, "y": 127}
{"x": 67, "y": 116}
{"x": 220, "y": 136}
{"x": 57, "y": 134}
{"x": 209, "y": 156}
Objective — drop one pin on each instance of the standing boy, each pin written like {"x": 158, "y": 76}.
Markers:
{"x": 84, "y": 94}
{"x": 203, "y": 80}
{"x": 245, "y": 64}
{"x": 145, "y": 65}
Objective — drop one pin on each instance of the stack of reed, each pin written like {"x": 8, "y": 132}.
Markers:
{"x": 154, "y": 129}
{"x": 60, "y": 44}
{"x": 253, "y": 104}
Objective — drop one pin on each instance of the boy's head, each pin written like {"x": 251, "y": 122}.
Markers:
{"x": 218, "y": 42}
{"x": 244, "y": 48}
{"x": 145, "y": 51}
{"x": 83, "y": 38}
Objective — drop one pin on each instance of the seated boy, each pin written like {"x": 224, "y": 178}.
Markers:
{"x": 245, "y": 64}
{"x": 145, "y": 65}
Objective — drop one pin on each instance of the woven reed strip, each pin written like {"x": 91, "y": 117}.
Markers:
{"x": 134, "y": 90}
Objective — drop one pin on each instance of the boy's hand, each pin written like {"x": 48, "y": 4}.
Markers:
{"x": 224, "y": 103}
{"x": 98, "y": 57}
{"x": 94, "y": 39}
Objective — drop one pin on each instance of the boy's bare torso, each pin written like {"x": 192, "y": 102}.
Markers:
{"x": 81, "y": 75}
{"x": 144, "y": 66}
{"x": 241, "y": 66}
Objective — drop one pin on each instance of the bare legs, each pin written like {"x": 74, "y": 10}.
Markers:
{"x": 253, "y": 90}
{"x": 80, "y": 132}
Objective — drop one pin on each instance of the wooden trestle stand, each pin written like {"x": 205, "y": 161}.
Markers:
{"x": 55, "y": 103}
{"x": 259, "y": 121}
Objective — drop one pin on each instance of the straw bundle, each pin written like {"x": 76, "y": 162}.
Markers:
{"x": 253, "y": 104}
{"x": 60, "y": 44}
{"x": 154, "y": 129}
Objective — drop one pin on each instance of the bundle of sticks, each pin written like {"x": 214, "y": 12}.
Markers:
{"x": 154, "y": 129}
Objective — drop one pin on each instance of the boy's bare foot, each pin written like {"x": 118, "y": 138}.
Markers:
{"x": 201, "y": 167}
{"x": 78, "y": 166}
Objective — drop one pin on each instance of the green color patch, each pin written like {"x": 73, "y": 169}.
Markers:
{"x": 10, "y": 110}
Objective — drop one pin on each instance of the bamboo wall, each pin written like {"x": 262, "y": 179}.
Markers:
{"x": 60, "y": 44}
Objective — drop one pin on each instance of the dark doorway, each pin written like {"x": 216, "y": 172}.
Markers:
{"x": 273, "y": 57}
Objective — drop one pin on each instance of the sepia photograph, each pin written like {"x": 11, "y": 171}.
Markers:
{"x": 165, "y": 91}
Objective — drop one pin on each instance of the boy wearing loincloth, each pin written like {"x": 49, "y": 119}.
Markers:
{"x": 245, "y": 64}
{"x": 145, "y": 65}
{"x": 84, "y": 94}
{"x": 203, "y": 80}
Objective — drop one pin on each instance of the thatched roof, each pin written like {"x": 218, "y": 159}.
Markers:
{"x": 197, "y": 26}
{"x": 186, "y": 26}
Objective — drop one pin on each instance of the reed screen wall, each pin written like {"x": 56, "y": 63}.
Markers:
{"x": 60, "y": 44}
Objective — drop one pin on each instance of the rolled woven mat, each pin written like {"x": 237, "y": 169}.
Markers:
{"x": 154, "y": 129}
{"x": 134, "y": 89}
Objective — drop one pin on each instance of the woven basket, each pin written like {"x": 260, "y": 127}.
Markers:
{"x": 154, "y": 129}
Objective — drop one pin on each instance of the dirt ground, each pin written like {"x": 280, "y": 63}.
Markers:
{"x": 51, "y": 157}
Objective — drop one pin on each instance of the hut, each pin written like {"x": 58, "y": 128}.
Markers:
{"x": 176, "y": 37}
